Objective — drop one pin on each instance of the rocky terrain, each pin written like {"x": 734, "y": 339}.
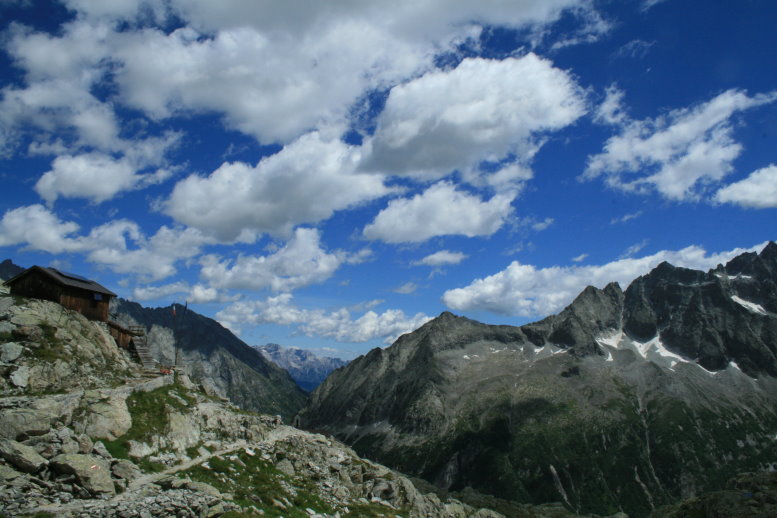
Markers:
{"x": 84, "y": 432}
{"x": 625, "y": 401}
{"x": 213, "y": 356}
{"x": 304, "y": 367}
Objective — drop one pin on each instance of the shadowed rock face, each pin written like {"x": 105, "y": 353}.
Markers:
{"x": 8, "y": 270}
{"x": 593, "y": 312}
{"x": 717, "y": 317}
{"x": 623, "y": 401}
{"x": 215, "y": 357}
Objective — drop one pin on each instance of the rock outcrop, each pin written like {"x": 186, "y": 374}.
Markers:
{"x": 47, "y": 349}
{"x": 623, "y": 401}
{"x": 22, "y": 457}
{"x": 215, "y": 357}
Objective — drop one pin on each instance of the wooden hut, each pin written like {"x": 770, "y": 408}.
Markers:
{"x": 72, "y": 291}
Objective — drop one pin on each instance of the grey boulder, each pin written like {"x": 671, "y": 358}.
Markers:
{"x": 92, "y": 473}
{"x": 21, "y": 456}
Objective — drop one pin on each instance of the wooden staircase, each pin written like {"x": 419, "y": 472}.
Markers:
{"x": 140, "y": 341}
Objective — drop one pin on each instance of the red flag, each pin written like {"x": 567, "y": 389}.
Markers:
{"x": 173, "y": 310}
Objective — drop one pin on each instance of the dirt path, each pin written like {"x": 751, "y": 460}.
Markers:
{"x": 276, "y": 434}
{"x": 151, "y": 478}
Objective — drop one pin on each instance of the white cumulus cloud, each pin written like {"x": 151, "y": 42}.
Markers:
{"x": 440, "y": 210}
{"x": 758, "y": 191}
{"x": 94, "y": 176}
{"x": 441, "y": 258}
{"x": 197, "y": 294}
{"x": 262, "y": 81}
{"x": 119, "y": 245}
{"x": 60, "y": 73}
{"x": 251, "y": 61}
{"x": 481, "y": 110}
{"x": 524, "y": 290}
{"x": 124, "y": 248}
{"x": 611, "y": 110}
{"x": 678, "y": 154}
{"x": 300, "y": 262}
{"x": 338, "y": 324}
{"x": 143, "y": 293}
{"x": 407, "y": 288}
{"x": 39, "y": 229}
{"x": 306, "y": 182}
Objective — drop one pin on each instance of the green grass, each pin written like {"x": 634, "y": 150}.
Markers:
{"x": 259, "y": 483}
{"x": 148, "y": 466}
{"x": 51, "y": 348}
{"x": 194, "y": 451}
{"x": 150, "y": 416}
{"x": 116, "y": 447}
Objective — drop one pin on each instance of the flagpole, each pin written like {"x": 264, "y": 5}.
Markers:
{"x": 175, "y": 336}
{"x": 185, "y": 310}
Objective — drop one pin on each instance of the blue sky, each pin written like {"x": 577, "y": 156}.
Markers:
{"x": 330, "y": 175}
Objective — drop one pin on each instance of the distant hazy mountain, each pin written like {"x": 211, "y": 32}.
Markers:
{"x": 623, "y": 401}
{"x": 306, "y": 368}
{"x": 214, "y": 356}
{"x": 8, "y": 269}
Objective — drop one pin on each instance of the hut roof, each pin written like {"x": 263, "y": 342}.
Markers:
{"x": 65, "y": 279}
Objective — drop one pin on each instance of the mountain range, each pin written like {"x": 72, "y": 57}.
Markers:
{"x": 304, "y": 367}
{"x": 624, "y": 401}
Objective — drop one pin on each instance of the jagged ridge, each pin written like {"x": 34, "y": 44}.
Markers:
{"x": 624, "y": 400}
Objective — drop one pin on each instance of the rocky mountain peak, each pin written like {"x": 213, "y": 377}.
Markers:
{"x": 613, "y": 289}
{"x": 444, "y": 321}
{"x": 713, "y": 318}
{"x": 770, "y": 251}
{"x": 763, "y": 265}
{"x": 600, "y": 406}
{"x": 666, "y": 273}
{"x": 592, "y": 313}
{"x": 8, "y": 269}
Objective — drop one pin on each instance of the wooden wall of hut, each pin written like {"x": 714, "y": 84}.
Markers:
{"x": 93, "y": 306}
{"x": 86, "y": 303}
{"x": 37, "y": 285}
{"x": 120, "y": 334}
